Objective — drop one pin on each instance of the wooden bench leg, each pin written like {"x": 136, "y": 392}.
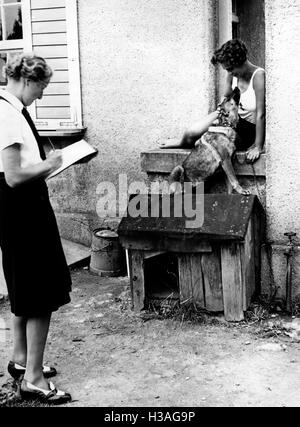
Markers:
{"x": 137, "y": 279}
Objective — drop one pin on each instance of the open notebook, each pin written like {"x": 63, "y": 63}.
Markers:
{"x": 73, "y": 153}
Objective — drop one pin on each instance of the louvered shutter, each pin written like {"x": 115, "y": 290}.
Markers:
{"x": 54, "y": 36}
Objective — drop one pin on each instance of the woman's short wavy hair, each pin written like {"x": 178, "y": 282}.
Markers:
{"x": 28, "y": 66}
{"x": 233, "y": 53}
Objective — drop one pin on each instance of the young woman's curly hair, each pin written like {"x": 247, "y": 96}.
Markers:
{"x": 233, "y": 53}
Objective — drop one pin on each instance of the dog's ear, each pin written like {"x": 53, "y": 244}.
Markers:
{"x": 236, "y": 95}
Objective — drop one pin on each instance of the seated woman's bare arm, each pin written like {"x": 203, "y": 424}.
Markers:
{"x": 259, "y": 87}
{"x": 228, "y": 85}
{"x": 16, "y": 175}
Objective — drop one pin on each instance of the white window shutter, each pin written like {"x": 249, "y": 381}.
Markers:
{"x": 54, "y": 36}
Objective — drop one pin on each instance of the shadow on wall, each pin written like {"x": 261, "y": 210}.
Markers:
{"x": 251, "y": 28}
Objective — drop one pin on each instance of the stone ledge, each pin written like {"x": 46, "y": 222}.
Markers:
{"x": 163, "y": 161}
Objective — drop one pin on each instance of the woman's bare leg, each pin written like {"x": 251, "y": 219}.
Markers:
{"x": 19, "y": 354}
{"x": 195, "y": 132}
{"x": 37, "y": 332}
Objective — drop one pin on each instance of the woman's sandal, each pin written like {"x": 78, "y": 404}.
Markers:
{"x": 52, "y": 396}
{"x": 16, "y": 371}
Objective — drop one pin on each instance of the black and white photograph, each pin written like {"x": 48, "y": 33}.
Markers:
{"x": 149, "y": 206}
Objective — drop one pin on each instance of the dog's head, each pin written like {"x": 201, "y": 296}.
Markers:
{"x": 228, "y": 110}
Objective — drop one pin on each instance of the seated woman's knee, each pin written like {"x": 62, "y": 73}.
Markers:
{"x": 189, "y": 139}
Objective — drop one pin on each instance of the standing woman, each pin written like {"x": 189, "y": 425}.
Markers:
{"x": 34, "y": 264}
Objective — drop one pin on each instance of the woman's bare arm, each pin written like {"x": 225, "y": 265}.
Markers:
{"x": 228, "y": 85}
{"x": 16, "y": 175}
{"x": 259, "y": 88}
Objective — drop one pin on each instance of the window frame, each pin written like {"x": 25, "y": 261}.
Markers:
{"x": 10, "y": 45}
{"x": 20, "y": 45}
{"x": 74, "y": 123}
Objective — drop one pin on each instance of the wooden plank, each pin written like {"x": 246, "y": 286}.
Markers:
{"x": 248, "y": 266}
{"x": 212, "y": 280}
{"x": 152, "y": 254}
{"x": 164, "y": 161}
{"x": 57, "y": 89}
{"x": 58, "y": 63}
{"x": 51, "y": 51}
{"x": 53, "y": 113}
{"x": 137, "y": 279}
{"x": 60, "y": 77}
{"x": 232, "y": 282}
{"x": 42, "y": 15}
{"x": 54, "y": 101}
{"x": 185, "y": 279}
{"x": 190, "y": 279}
{"x": 49, "y": 39}
{"x": 47, "y": 4}
{"x": 259, "y": 237}
{"x": 245, "y": 169}
{"x": 226, "y": 217}
{"x": 49, "y": 27}
{"x": 165, "y": 244}
{"x": 197, "y": 280}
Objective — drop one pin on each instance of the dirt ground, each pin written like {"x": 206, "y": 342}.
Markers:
{"x": 107, "y": 356}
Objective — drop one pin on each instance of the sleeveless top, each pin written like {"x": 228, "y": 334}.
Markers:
{"x": 247, "y": 106}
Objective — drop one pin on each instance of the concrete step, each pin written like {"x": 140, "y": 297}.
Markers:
{"x": 3, "y": 288}
{"x": 77, "y": 255}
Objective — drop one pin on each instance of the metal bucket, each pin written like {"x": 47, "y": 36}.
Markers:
{"x": 107, "y": 255}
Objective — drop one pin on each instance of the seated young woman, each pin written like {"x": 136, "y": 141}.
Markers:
{"x": 250, "y": 79}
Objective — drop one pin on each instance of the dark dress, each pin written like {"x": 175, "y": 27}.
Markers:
{"x": 34, "y": 264}
{"x": 246, "y": 135}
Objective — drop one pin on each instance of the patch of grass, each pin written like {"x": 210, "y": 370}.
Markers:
{"x": 170, "y": 308}
{"x": 257, "y": 313}
{"x": 10, "y": 397}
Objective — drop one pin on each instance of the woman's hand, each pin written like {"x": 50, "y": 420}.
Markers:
{"x": 253, "y": 154}
{"x": 54, "y": 160}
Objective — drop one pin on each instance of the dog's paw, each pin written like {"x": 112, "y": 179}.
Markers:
{"x": 241, "y": 190}
{"x": 175, "y": 188}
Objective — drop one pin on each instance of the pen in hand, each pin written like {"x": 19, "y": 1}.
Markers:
{"x": 53, "y": 148}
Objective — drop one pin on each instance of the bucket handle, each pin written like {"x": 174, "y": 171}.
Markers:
{"x": 108, "y": 246}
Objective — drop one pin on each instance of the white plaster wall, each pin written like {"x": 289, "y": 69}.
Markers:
{"x": 283, "y": 111}
{"x": 283, "y": 131}
{"x": 145, "y": 77}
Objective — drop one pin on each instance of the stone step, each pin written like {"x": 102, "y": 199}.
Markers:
{"x": 3, "y": 288}
{"x": 77, "y": 255}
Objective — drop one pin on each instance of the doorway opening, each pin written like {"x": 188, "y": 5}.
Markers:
{"x": 248, "y": 24}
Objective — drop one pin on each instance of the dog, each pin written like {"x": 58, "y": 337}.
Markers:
{"x": 214, "y": 149}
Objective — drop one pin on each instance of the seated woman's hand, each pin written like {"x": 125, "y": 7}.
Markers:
{"x": 253, "y": 154}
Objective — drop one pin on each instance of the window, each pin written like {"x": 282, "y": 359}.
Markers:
{"x": 49, "y": 28}
{"x": 12, "y": 32}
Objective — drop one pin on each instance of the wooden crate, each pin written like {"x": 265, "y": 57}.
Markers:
{"x": 218, "y": 264}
